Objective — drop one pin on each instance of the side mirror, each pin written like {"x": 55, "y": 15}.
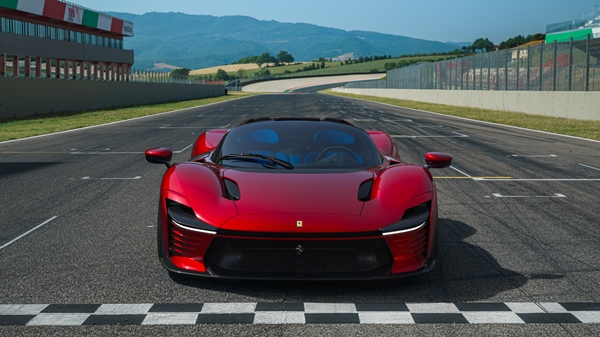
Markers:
{"x": 159, "y": 156}
{"x": 438, "y": 160}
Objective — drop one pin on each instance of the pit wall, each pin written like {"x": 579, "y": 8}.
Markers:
{"x": 22, "y": 97}
{"x": 572, "y": 104}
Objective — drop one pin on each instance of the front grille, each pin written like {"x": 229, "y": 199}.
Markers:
{"x": 412, "y": 243}
{"x": 239, "y": 257}
{"x": 181, "y": 244}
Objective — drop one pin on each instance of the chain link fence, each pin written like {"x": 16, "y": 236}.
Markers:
{"x": 571, "y": 66}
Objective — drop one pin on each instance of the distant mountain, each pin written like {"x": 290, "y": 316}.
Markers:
{"x": 199, "y": 41}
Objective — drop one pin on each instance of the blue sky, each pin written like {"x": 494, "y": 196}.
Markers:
{"x": 440, "y": 20}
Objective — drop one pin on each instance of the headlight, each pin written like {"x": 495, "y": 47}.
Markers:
{"x": 414, "y": 218}
{"x": 184, "y": 217}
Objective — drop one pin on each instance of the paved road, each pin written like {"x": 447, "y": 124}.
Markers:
{"x": 309, "y": 82}
{"x": 518, "y": 214}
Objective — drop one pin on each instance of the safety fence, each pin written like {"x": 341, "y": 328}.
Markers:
{"x": 571, "y": 66}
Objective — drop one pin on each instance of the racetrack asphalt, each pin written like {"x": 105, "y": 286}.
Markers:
{"x": 518, "y": 221}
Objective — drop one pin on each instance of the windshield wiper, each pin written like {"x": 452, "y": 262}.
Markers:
{"x": 273, "y": 160}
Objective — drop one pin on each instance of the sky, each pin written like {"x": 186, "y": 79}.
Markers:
{"x": 438, "y": 20}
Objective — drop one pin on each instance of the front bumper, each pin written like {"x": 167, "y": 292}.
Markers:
{"x": 343, "y": 256}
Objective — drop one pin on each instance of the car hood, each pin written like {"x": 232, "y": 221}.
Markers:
{"x": 298, "y": 193}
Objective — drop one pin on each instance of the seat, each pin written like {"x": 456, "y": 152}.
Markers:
{"x": 264, "y": 142}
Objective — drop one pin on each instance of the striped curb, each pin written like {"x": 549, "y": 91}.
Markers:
{"x": 298, "y": 313}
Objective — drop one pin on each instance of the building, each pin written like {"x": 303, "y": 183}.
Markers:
{"x": 58, "y": 39}
{"x": 587, "y": 25}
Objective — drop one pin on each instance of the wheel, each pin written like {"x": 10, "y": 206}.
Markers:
{"x": 344, "y": 149}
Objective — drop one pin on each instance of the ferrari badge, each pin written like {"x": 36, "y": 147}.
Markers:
{"x": 299, "y": 224}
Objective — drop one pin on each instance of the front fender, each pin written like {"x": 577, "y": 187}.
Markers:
{"x": 396, "y": 189}
{"x": 199, "y": 187}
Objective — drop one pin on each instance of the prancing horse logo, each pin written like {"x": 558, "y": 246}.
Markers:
{"x": 299, "y": 250}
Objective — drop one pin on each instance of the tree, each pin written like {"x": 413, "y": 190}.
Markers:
{"x": 222, "y": 75}
{"x": 285, "y": 57}
{"x": 262, "y": 72}
{"x": 265, "y": 58}
{"x": 482, "y": 45}
{"x": 240, "y": 72}
{"x": 322, "y": 64}
{"x": 180, "y": 73}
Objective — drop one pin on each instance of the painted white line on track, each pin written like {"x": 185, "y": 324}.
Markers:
{"x": 194, "y": 127}
{"x": 363, "y": 120}
{"x": 126, "y": 120}
{"x": 187, "y": 147}
{"x": 459, "y": 171}
{"x": 205, "y": 116}
{"x": 529, "y": 196}
{"x": 460, "y": 135}
{"x": 397, "y": 120}
{"x": 90, "y": 178}
{"x": 104, "y": 153}
{"x": 477, "y": 121}
{"x": 514, "y": 179}
{"x": 590, "y": 167}
{"x": 28, "y": 232}
{"x": 533, "y": 155}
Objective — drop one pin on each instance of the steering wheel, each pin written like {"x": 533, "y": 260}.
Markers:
{"x": 346, "y": 151}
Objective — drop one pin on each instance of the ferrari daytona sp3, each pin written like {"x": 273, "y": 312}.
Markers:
{"x": 297, "y": 198}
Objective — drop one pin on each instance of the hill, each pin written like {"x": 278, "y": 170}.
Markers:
{"x": 199, "y": 41}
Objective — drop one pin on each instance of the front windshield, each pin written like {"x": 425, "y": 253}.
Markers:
{"x": 302, "y": 144}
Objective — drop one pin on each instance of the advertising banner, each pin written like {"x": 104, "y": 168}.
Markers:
{"x": 127, "y": 28}
{"x": 74, "y": 14}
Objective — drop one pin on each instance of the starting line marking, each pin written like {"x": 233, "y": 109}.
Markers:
{"x": 298, "y": 313}
{"x": 528, "y": 196}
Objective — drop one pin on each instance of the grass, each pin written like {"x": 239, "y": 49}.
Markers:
{"x": 331, "y": 67}
{"x": 564, "y": 126}
{"x": 43, "y": 124}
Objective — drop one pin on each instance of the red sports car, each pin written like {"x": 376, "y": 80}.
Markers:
{"x": 297, "y": 198}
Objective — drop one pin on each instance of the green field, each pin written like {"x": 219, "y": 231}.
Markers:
{"x": 571, "y": 127}
{"x": 43, "y": 124}
{"x": 335, "y": 68}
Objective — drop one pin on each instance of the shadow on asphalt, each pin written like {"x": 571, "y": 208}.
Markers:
{"x": 14, "y": 168}
{"x": 464, "y": 272}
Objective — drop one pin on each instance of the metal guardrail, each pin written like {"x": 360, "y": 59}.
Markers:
{"x": 572, "y": 66}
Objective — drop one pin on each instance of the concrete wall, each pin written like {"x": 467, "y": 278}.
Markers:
{"x": 20, "y": 97}
{"x": 573, "y": 104}
{"x": 15, "y": 44}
